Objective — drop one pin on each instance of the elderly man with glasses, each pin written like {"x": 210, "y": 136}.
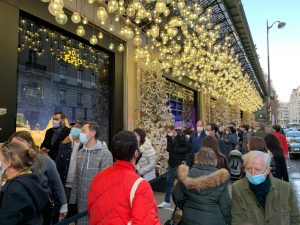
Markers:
{"x": 259, "y": 198}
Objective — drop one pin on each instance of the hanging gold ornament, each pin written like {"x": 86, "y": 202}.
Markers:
{"x": 160, "y": 6}
{"x": 100, "y": 35}
{"x": 154, "y": 31}
{"x": 85, "y": 20}
{"x": 55, "y": 7}
{"x": 121, "y": 48}
{"x": 93, "y": 40}
{"x": 102, "y": 14}
{"x": 61, "y": 18}
{"x": 111, "y": 46}
{"x": 76, "y": 17}
{"x": 80, "y": 31}
{"x": 137, "y": 40}
{"x": 112, "y": 6}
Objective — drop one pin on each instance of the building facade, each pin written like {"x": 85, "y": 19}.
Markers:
{"x": 283, "y": 114}
{"x": 294, "y": 106}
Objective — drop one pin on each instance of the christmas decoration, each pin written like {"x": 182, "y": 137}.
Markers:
{"x": 154, "y": 114}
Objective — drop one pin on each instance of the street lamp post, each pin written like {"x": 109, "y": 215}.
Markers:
{"x": 280, "y": 25}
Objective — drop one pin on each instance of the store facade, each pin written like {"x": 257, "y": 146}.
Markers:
{"x": 126, "y": 64}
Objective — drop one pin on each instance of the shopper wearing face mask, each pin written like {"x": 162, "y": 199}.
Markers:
{"x": 178, "y": 148}
{"x": 55, "y": 135}
{"x": 93, "y": 157}
{"x": 259, "y": 198}
{"x": 22, "y": 197}
{"x": 197, "y": 136}
{"x": 66, "y": 161}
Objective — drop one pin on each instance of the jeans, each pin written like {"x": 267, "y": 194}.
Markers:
{"x": 171, "y": 173}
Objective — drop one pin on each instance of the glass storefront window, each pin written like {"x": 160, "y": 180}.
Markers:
{"x": 182, "y": 103}
{"x": 58, "y": 73}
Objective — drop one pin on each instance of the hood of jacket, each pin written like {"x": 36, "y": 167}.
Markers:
{"x": 147, "y": 148}
{"x": 32, "y": 184}
{"x": 92, "y": 150}
{"x": 201, "y": 183}
{"x": 98, "y": 146}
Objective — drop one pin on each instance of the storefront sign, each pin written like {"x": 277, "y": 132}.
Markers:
{"x": 73, "y": 58}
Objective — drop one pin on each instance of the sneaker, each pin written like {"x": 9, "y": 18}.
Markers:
{"x": 164, "y": 205}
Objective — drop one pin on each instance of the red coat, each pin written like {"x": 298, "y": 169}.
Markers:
{"x": 109, "y": 198}
{"x": 283, "y": 143}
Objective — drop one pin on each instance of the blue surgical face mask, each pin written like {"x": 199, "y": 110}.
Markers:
{"x": 257, "y": 179}
{"x": 75, "y": 132}
{"x": 207, "y": 133}
{"x": 1, "y": 170}
{"x": 55, "y": 123}
{"x": 83, "y": 138}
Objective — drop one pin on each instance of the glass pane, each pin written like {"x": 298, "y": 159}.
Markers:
{"x": 51, "y": 66}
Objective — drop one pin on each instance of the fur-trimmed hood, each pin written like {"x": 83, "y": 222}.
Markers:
{"x": 201, "y": 183}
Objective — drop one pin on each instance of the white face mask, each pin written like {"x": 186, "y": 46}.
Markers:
{"x": 170, "y": 134}
{"x": 199, "y": 129}
{"x": 56, "y": 123}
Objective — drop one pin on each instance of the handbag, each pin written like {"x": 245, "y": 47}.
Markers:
{"x": 175, "y": 218}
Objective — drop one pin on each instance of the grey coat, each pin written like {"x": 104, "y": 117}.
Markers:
{"x": 203, "y": 195}
{"x": 89, "y": 163}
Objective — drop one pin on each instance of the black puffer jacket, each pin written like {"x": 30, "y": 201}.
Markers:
{"x": 178, "y": 148}
{"x": 22, "y": 200}
{"x": 203, "y": 195}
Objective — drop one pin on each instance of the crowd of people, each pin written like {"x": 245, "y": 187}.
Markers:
{"x": 73, "y": 171}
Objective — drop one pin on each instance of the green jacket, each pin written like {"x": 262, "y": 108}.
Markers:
{"x": 203, "y": 194}
{"x": 280, "y": 209}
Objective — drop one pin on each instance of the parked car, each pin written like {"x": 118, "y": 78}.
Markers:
{"x": 293, "y": 139}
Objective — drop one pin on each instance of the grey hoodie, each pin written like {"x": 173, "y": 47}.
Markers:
{"x": 89, "y": 162}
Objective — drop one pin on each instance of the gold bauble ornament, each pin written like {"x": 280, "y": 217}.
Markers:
{"x": 102, "y": 14}
{"x": 100, "y": 35}
{"x": 76, "y": 17}
{"x": 93, "y": 40}
{"x": 55, "y": 7}
{"x": 85, "y": 20}
{"x": 154, "y": 31}
{"x": 111, "y": 46}
{"x": 137, "y": 40}
{"x": 61, "y": 18}
{"x": 121, "y": 48}
{"x": 160, "y": 6}
{"x": 80, "y": 31}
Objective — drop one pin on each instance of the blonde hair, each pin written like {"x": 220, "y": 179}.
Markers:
{"x": 206, "y": 157}
{"x": 18, "y": 154}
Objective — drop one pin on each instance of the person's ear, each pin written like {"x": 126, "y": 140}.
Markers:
{"x": 268, "y": 170}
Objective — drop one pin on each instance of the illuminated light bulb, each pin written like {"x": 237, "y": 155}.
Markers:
{"x": 160, "y": 6}
{"x": 80, "y": 31}
{"x": 117, "y": 18}
{"x": 111, "y": 27}
{"x": 61, "y": 18}
{"x": 93, "y": 40}
{"x": 100, "y": 35}
{"x": 121, "y": 48}
{"x": 166, "y": 12}
{"x": 121, "y": 10}
{"x": 111, "y": 46}
{"x": 127, "y": 21}
{"x": 181, "y": 4}
{"x": 102, "y": 14}
{"x": 91, "y": 1}
{"x": 55, "y": 7}
{"x": 137, "y": 41}
{"x": 130, "y": 11}
{"x": 154, "y": 31}
{"x": 76, "y": 17}
{"x": 85, "y": 20}
{"x": 112, "y": 6}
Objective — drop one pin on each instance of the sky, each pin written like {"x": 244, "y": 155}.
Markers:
{"x": 284, "y": 43}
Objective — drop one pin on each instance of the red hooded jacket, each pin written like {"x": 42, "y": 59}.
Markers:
{"x": 283, "y": 142}
{"x": 109, "y": 198}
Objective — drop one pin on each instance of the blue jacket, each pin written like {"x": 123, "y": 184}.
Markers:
{"x": 196, "y": 140}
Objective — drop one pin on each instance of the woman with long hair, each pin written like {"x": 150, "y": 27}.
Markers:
{"x": 212, "y": 142}
{"x": 50, "y": 178}
{"x": 274, "y": 146}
